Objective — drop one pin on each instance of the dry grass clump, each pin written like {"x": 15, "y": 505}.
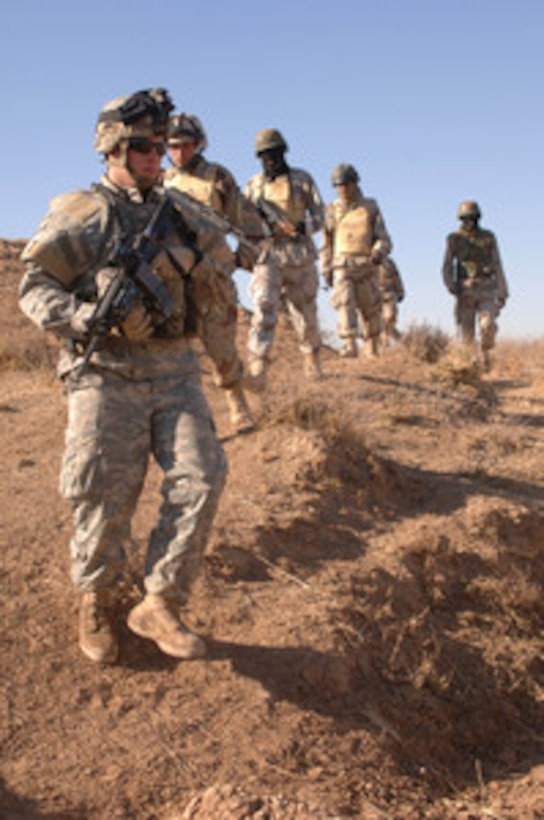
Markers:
{"x": 26, "y": 354}
{"x": 312, "y": 414}
{"x": 425, "y": 343}
{"x": 522, "y": 359}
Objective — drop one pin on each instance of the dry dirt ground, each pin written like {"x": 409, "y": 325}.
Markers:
{"x": 372, "y": 594}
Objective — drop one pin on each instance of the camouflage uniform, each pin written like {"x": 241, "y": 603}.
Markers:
{"x": 135, "y": 399}
{"x": 472, "y": 272}
{"x": 392, "y": 292}
{"x": 135, "y": 391}
{"x": 354, "y": 233}
{"x": 287, "y": 265}
{"x": 214, "y": 186}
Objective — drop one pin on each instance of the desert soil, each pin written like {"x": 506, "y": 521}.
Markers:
{"x": 372, "y": 597}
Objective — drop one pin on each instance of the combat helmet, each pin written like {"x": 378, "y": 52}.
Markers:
{"x": 186, "y": 128}
{"x": 469, "y": 210}
{"x": 344, "y": 173}
{"x": 268, "y": 139}
{"x": 143, "y": 114}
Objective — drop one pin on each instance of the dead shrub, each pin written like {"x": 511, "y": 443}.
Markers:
{"x": 425, "y": 343}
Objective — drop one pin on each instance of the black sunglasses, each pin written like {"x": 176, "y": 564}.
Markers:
{"x": 145, "y": 146}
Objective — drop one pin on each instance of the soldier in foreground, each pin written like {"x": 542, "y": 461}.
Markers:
{"x": 355, "y": 243}
{"x": 290, "y": 202}
{"x": 131, "y": 378}
{"x": 215, "y": 187}
{"x": 472, "y": 272}
{"x": 392, "y": 293}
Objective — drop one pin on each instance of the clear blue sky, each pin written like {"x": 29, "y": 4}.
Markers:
{"x": 433, "y": 101}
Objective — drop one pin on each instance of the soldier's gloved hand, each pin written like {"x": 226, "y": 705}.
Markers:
{"x": 501, "y": 301}
{"x": 81, "y": 319}
{"x": 104, "y": 278}
{"x": 300, "y": 228}
{"x": 137, "y": 327}
{"x": 376, "y": 256}
{"x": 286, "y": 228}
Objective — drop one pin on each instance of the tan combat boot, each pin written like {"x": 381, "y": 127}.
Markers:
{"x": 240, "y": 414}
{"x": 312, "y": 367}
{"x": 257, "y": 371}
{"x": 97, "y": 638}
{"x": 156, "y": 618}
{"x": 350, "y": 349}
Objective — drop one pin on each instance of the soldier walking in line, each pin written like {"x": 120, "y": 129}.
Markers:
{"x": 289, "y": 200}
{"x": 215, "y": 187}
{"x": 392, "y": 293}
{"x": 355, "y": 243}
{"x": 138, "y": 394}
{"x": 472, "y": 272}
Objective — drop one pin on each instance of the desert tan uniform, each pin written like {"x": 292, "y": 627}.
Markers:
{"x": 472, "y": 272}
{"x": 212, "y": 185}
{"x": 136, "y": 399}
{"x": 392, "y": 292}
{"x": 286, "y": 267}
{"x": 353, "y": 232}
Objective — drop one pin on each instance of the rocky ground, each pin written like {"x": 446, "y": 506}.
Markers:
{"x": 372, "y": 595}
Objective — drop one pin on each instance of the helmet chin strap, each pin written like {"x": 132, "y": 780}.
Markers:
{"x": 118, "y": 158}
{"x": 140, "y": 182}
{"x": 193, "y": 162}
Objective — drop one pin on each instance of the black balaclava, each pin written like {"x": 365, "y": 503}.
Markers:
{"x": 273, "y": 162}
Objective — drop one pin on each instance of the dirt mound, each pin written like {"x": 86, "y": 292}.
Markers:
{"x": 225, "y": 803}
{"x": 372, "y": 597}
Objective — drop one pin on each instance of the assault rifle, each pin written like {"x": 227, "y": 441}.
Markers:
{"x": 133, "y": 281}
{"x": 459, "y": 276}
{"x": 274, "y": 217}
{"x": 270, "y": 213}
{"x": 219, "y": 222}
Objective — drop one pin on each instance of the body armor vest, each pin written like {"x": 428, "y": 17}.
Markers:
{"x": 473, "y": 252}
{"x": 280, "y": 192}
{"x": 199, "y": 188}
{"x": 79, "y": 236}
{"x": 353, "y": 233}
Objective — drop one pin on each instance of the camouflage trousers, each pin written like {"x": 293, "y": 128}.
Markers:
{"x": 480, "y": 306}
{"x": 215, "y": 309}
{"x": 114, "y": 425}
{"x": 297, "y": 286}
{"x": 389, "y": 318}
{"x": 356, "y": 292}
{"x": 217, "y": 332}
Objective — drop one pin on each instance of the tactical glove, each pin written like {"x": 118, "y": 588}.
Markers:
{"x": 81, "y": 319}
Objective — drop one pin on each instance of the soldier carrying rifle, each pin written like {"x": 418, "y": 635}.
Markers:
{"x": 291, "y": 204}
{"x": 214, "y": 187}
{"x": 116, "y": 273}
{"x": 472, "y": 272}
